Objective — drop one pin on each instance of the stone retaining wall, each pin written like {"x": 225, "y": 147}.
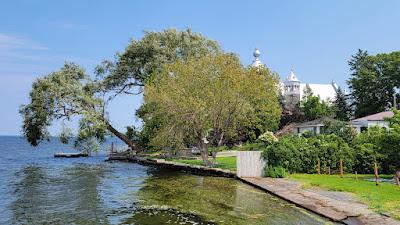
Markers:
{"x": 195, "y": 169}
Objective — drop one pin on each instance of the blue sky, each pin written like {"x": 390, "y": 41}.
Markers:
{"x": 315, "y": 38}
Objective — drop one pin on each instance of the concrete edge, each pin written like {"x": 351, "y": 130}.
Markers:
{"x": 194, "y": 169}
{"x": 292, "y": 202}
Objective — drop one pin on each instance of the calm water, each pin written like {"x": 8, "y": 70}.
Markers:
{"x": 36, "y": 188}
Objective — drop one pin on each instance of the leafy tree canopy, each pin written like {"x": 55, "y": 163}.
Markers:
{"x": 373, "y": 80}
{"x": 313, "y": 107}
{"x": 209, "y": 100}
{"x": 145, "y": 57}
{"x": 71, "y": 92}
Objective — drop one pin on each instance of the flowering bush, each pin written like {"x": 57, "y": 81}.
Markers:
{"x": 267, "y": 138}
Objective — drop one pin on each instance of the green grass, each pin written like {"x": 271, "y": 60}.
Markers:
{"x": 228, "y": 163}
{"x": 384, "y": 198}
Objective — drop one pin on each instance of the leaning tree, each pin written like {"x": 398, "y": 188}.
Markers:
{"x": 70, "y": 92}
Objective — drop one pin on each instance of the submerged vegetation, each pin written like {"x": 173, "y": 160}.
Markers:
{"x": 220, "y": 200}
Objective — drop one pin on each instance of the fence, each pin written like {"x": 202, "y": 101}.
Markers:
{"x": 249, "y": 164}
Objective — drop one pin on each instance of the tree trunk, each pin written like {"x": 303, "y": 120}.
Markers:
{"x": 214, "y": 153}
{"x": 122, "y": 137}
{"x": 204, "y": 153}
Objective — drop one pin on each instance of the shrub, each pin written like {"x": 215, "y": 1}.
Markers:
{"x": 289, "y": 153}
{"x": 275, "y": 172}
{"x": 252, "y": 147}
{"x": 341, "y": 129}
{"x": 300, "y": 154}
{"x": 267, "y": 138}
{"x": 378, "y": 144}
{"x": 365, "y": 156}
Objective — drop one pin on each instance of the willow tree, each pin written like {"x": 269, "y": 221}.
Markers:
{"x": 209, "y": 100}
{"x": 70, "y": 92}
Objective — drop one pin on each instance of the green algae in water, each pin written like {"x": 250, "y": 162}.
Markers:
{"x": 164, "y": 215}
{"x": 218, "y": 200}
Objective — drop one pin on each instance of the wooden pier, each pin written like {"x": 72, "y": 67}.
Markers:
{"x": 70, "y": 155}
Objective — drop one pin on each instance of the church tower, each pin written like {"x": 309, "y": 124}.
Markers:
{"x": 291, "y": 91}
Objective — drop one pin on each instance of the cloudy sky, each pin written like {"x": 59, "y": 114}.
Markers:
{"x": 314, "y": 38}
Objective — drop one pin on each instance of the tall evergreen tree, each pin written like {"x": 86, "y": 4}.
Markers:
{"x": 341, "y": 105}
{"x": 373, "y": 80}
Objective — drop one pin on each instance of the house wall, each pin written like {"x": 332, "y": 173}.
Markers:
{"x": 313, "y": 129}
{"x": 378, "y": 123}
{"x": 362, "y": 125}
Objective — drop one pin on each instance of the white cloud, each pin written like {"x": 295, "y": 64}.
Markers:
{"x": 13, "y": 42}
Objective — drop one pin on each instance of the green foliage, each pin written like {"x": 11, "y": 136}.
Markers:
{"x": 213, "y": 98}
{"x": 381, "y": 145}
{"x": 249, "y": 146}
{"x": 313, "y": 107}
{"x": 300, "y": 154}
{"x": 291, "y": 152}
{"x": 65, "y": 135}
{"x": 267, "y": 138}
{"x": 70, "y": 92}
{"x": 62, "y": 95}
{"x": 373, "y": 80}
{"x": 275, "y": 172}
{"x": 341, "y": 106}
{"x": 146, "y": 57}
{"x": 341, "y": 129}
{"x": 365, "y": 156}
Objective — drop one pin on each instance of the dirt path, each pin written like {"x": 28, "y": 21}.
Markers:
{"x": 337, "y": 206}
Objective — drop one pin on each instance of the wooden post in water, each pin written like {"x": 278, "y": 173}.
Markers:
{"x": 376, "y": 173}
{"x": 319, "y": 167}
{"x": 341, "y": 168}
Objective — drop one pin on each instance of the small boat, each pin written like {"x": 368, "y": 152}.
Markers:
{"x": 70, "y": 155}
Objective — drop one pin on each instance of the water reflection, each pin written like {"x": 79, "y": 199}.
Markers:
{"x": 62, "y": 196}
{"x": 118, "y": 193}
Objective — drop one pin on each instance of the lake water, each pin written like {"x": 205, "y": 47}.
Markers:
{"x": 36, "y": 188}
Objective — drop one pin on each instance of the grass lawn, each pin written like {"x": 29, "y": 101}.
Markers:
{"x": 382, "y": 198}
{"x": 228, "y": 163}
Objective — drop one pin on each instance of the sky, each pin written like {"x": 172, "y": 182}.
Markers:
{"x": 314, "y": 38}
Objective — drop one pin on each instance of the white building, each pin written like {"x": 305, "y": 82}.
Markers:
{"x": 377, "y": 119}
{"x": 293, "y": 90}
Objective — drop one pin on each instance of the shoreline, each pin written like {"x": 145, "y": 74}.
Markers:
{"x": 337, "y": 211}
{"x": 195, "y": 169}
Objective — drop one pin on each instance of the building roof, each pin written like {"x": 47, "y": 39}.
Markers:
{"x": 324, "y": 91}
{"x": 315, "y": 123}
{"x": 375, "y": 117}
{"x": 291, "y": 77}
